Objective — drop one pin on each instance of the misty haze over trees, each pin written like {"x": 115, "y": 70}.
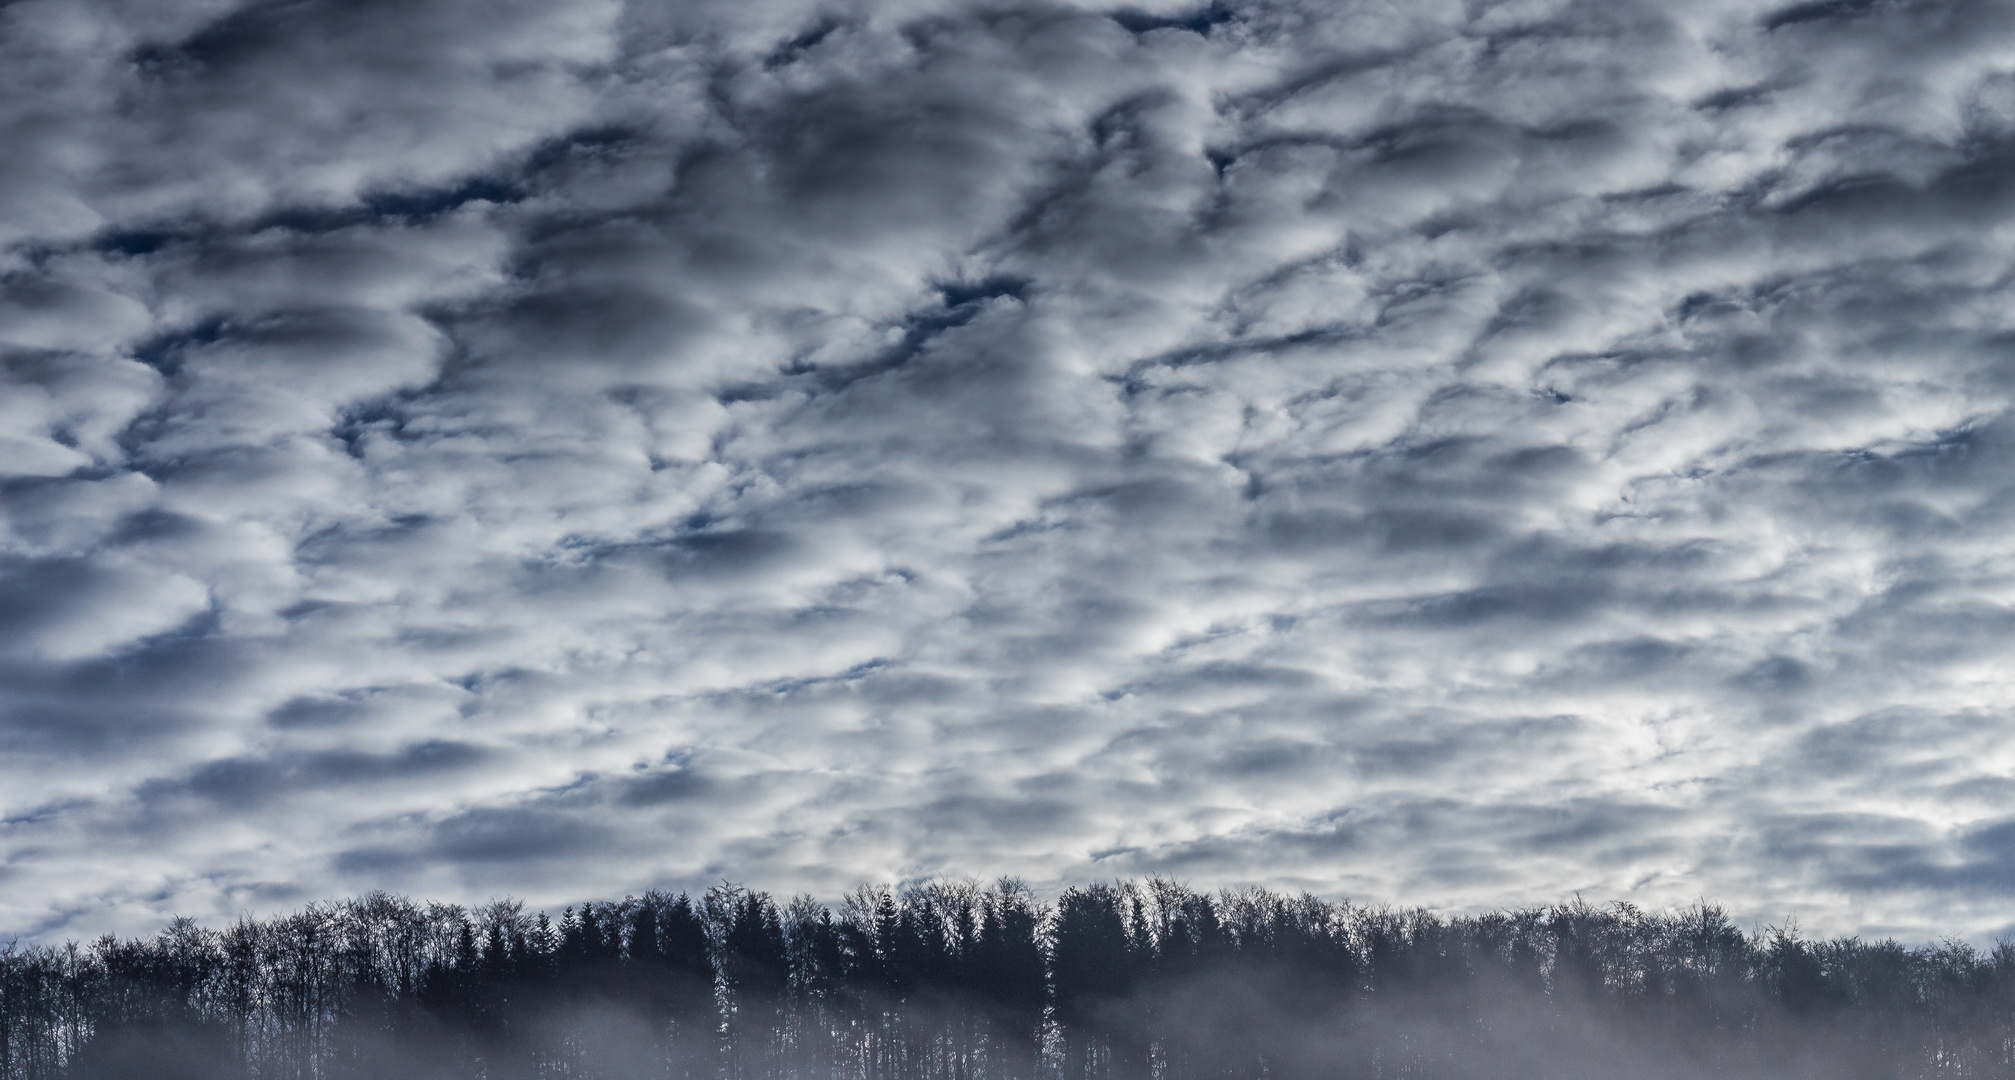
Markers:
{"x": 951, "y": 981}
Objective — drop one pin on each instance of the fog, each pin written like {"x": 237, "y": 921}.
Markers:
{"x": 952, "y": 981}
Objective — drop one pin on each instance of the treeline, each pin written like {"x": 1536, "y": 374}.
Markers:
{"x": 950, "y": 981}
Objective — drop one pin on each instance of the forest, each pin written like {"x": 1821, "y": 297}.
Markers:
{"x": 1142, "y": 980}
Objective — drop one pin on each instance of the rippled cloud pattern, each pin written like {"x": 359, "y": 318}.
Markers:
{"x": 1432, "y": 452}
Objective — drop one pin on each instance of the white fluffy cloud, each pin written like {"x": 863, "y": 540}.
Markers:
{"x": 1436, "y": 453}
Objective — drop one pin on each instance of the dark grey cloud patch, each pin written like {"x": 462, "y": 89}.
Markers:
{"x": 246, "y": 783}
{"x": 1451, "y": 454}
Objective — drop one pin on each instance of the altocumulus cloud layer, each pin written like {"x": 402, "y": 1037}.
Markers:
{"x": 1437, "y": 452}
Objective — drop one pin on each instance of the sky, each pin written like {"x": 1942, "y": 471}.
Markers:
{"x": 1463, "y": 454}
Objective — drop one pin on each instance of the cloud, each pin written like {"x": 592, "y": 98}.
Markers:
{"x": 1448, "y": 454}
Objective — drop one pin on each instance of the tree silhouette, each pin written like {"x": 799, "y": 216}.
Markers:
{"x": 951, "y": 981}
